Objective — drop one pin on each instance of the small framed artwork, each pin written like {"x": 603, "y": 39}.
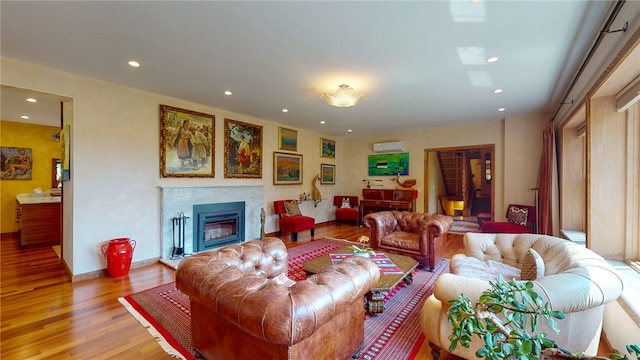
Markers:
{"x": 287, "y": 139}
{"x": 242, "y": 150}
{"x": 327, "y": 148}
{"x": 186, "y": 143}
{"x": 327, "y": 174}
{"x": 287, "y": 168}
{"x": 16, "y": 163}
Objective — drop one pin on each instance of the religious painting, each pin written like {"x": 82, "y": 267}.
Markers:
{"x": 287, "y": 168}
{"x": 287, "y": 139}
{"x": 16, "y": 163}
{"x": 327, "y": 174}
{"x": 242, "y": 150}
{"x": 327, "y": 148}
{"x": 389, "y": 164}
{"x": 186, "y": 143}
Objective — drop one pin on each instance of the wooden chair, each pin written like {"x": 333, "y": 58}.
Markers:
{"x": 291, "y": 220}
{"x": 351, "y": 213}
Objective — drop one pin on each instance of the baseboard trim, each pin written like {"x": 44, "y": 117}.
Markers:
{"x": 105, "y": 273}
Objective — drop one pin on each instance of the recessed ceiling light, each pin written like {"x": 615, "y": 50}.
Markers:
{"x": 32, "y": 100}
{"x": 492, "y": 59}
{"x": 497, "y": 91}
{"x": 285, "y": 110}
{"x": 228, "y": 92}
{"x": 24, "y": 117}
{"x": 134, "y": 63}
{"x": 322, "y": 122}
{"x": 502, "y": 109}
{"x": 349, "y": 130}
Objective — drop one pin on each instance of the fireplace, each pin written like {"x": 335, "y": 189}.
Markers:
{"x": 216, "y": 225}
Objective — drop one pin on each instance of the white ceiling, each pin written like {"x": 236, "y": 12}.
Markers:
{"x": 272, "y": 55}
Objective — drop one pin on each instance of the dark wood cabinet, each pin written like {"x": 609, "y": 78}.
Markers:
{"x": 40, "y": 224}
{"x": 374, "y": 200}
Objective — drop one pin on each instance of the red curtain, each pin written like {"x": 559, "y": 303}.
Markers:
{"x": 545, "y": 182}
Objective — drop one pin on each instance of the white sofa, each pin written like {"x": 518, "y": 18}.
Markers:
{"x": 577, "y": 281}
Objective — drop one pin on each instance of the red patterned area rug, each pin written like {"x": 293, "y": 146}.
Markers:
{"x": 393, "y": 334}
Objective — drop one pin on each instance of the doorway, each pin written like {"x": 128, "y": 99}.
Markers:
{"x": 45, "y": 111}
{"x": 459, "y": 181}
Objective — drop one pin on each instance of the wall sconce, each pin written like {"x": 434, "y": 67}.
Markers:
{"x": 487, "y": 168}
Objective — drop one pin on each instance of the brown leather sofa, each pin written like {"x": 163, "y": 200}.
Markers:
{"x": 421, "y": 236}
{"x": 239, "y": 312}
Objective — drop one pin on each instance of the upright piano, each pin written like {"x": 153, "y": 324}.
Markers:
{"x": 374, "y": 200}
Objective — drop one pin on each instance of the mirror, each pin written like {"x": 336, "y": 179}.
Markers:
{"x": 56, "y": 174}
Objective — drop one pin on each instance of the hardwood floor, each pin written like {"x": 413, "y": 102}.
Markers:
{"x": 45, "y": 316}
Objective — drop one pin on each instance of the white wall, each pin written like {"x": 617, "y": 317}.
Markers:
{"x": 115, "y": 162}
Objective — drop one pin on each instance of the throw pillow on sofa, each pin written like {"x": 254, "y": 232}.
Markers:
{"x": 471, "y": 267}
{"x": 532, "y": 266}
{"x": 518, "y": 216}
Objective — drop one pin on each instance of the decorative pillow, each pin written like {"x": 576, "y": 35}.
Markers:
{"x": 292, "y": 208}
{"x": 282, "y": 279}
{"x": 468, "y": 266}
{"x": 532, "y": 266}
{"x": 518, "y": 216}
{"x": 345, "y": 203}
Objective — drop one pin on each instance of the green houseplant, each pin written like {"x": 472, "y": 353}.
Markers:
{"x": 516, "y": 335}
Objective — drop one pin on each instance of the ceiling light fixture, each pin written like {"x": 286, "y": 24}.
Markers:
{"x": 24, "y": 117}
{"x": 497, "y": 91}
{"x": 134, "y": 63}
{"x": 32, "y": 100}
{"x": 228, "y": 92}
{"x": 492, "y": 59}
{"x": 343, "y": 97}
{"x": 501, "y": 109}
{"x": 285, "y": 110}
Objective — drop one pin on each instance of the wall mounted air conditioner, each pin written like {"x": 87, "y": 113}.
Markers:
{"x": 389, "y": 147}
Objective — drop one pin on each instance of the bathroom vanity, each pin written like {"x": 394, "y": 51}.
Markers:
{"x": 39, "y": 219}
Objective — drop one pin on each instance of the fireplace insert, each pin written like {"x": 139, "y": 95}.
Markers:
{"x": 217, "y": 225}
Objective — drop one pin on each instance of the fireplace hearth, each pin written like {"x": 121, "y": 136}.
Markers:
{"x": 217, "y": 225}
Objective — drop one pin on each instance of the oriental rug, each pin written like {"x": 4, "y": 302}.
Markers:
{"x": 392, "y": 334}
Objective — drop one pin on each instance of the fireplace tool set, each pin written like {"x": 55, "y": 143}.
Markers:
{"x": 179, "y": 223}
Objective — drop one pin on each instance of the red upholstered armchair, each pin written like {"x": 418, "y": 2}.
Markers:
{"x": 291, "y": 219}
{"x": 521, "y": 220}
{"x": 344, "y": 211}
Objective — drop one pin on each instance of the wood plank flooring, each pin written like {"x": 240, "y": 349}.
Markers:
{"x": 45, "y": 316}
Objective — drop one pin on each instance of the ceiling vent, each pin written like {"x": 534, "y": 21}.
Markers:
{"x": 389, "y": 147}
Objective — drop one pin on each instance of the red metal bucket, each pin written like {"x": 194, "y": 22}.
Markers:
{"x": 119, "y": 253}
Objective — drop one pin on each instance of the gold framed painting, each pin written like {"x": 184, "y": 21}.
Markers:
{"x": 242, "y": 150}
{"x": 287, "y": 139}
{"x": 327, "y": 148}
{"x": 327, "y": 174}
{"x": 186, "y": 143}
{"x": 287, "y": 168}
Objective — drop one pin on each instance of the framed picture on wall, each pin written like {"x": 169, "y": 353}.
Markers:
{"x": 327, "y": 148}
{"x": 186, "y": 143}
{"x": 287, "y": 168}
{"x": 287, "y": 139}
{"x": 16, "y": 163}
{"x": 242, "y": 150}
{"x": 327, "y": 174}
{"x": 388, "y": 164}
